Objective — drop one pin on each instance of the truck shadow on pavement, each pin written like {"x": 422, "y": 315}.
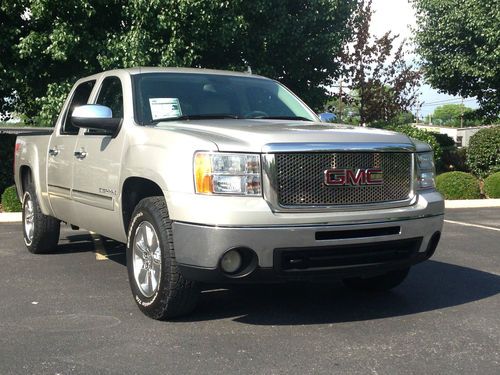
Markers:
{"x": 430, "y": 286}
{"x": 77, "y": 243}
{"x": 84, "y": 242}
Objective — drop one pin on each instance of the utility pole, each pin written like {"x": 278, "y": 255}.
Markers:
{"x": 341, "y": 104}
{"x": 462, "y": 115}
{"x": 419, "y": 107}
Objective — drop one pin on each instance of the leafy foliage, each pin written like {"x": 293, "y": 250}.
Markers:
{"x": 459, "y": 42}
{"x": 7, "y": 143}
{"x": 483, "y": 155}
{"x": 10, "y": 201}
{"x": 421, "y": 135}
{"x": 53, "y": 42}
{"x": 454, "y": 159}
{"x": 383, "y": 83}
{"x": 11, "y": 31}
{"x": 492, "y": 186}
{"x": 60, "y": 41}
{"x": 444, "y": 140}
{"x": 452, "y": 115}
{"x": 458, "y": 185}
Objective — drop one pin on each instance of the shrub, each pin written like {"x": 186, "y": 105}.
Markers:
{"x": 10, "y": 202}
{"x": 492, "y": 186}
{"x": 458, "y": 185}
{"x": 444, "y": 140}
{"x": 7, "y": 144}
{"x": 421, "y": 135}
{"x": 454, "y": 160}
{"x": 483, "y": 155}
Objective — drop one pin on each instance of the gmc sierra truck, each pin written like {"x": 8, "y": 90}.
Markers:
{"x": 215, "y": 176}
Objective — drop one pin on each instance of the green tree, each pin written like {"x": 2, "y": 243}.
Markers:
{"x": 452, "y": 115}
{"x": 384, "y": 81}
{"x": 52, "y": 44}
{"x": 404, "y": 118}
{"x": 346, "y": 108}
{"x": 459, "y": 42}
{"x": 11, "y": 32}
{"x": 55, "y": 42}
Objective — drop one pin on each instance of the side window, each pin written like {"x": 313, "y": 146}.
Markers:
{"x": 111, "y": 95}
{"x": 80, "y": 97}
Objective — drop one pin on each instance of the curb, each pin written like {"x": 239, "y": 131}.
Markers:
{"x": 472, "y": 203}
{"x": 10, "y": 217}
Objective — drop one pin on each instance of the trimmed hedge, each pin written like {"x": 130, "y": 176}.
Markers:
{"x": 454, "y": 160}
{"x": 7, "y": 144}
{"x": 10, "y": 202}
{"x": 421, "y": 135}
{"x": 483, "y": 155}
{"x": 492, "y": 186}
{"x": 458, "y": 185}
{"x": 444, "y": 140}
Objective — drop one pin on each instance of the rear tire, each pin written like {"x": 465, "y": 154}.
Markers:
{"x": 159, "y": 289}
{"x": 40, "y": 232}
{"x": 379, "y": 283}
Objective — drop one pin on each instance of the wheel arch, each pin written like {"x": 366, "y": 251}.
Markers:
{"x": 25, "y": 176}
{"x": 133, "y": 191}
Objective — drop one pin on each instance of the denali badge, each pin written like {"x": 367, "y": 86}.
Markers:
{"x": 107, "y": 191}
{"x": 353, "y": 177}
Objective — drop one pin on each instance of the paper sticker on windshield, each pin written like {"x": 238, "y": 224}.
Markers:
{"x": 165, "y": 108}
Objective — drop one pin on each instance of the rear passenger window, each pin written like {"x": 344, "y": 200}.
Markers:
{"x": 111, "y": 95}
{"x": 80, "y": 97}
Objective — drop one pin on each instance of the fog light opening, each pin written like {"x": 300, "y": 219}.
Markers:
{"x": 231, "y": 261}
{"x": 238, "y": 262}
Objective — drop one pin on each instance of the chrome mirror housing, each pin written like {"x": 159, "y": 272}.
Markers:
{"x": 95, "y": 116}
{"x": 95, "y": 111}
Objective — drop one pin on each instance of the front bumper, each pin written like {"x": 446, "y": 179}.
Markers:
{"x": 321, "y": 250}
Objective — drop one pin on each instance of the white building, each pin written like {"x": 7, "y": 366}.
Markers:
{"x": 461, "y": 136}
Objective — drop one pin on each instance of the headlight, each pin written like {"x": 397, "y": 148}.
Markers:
{"x": 426, "y": 171}
{"x": 224, "y": 173}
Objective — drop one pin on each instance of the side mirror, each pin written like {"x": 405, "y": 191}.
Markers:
{"x": 95, "y": 116}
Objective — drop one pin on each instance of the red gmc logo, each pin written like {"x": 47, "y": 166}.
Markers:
{"x": 353, "y": 177}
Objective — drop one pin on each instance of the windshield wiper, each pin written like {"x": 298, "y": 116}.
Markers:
{"x": 195, "y": 117}
{"x": 300, "y": 118}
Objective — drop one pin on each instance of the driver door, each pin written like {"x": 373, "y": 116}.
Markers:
{"x": 96, "y": 180}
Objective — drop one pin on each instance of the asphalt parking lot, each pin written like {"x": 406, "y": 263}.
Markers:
{"x": 71, "y": 312}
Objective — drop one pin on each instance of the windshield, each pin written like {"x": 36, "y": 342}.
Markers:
{"x": 185, "y": 96}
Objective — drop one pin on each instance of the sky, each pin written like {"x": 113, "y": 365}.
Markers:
{"x": 399, "y": 17}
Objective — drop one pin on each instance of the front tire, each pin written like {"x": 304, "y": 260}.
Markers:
{"x": 159, "y": 289}
{"x": 378, "y": 283}
{"x": 40, "y": 232}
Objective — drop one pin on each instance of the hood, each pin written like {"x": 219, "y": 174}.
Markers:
{"x": 254, "y": 135}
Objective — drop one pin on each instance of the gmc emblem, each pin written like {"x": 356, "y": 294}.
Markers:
{"x": 353, "y": 177}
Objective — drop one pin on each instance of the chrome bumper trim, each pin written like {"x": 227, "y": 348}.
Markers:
{"x": 202, "y": 246}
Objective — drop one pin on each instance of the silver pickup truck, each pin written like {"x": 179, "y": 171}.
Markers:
{"x": 214, "y": 176}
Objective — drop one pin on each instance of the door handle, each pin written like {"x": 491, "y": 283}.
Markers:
{"x": 80, "y": 154}
{"x": 53, "y": 151}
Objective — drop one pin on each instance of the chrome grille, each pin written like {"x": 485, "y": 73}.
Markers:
{"x": 301, "y": 182}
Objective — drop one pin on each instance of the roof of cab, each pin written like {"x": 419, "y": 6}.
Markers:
{"x": 143, "y": 70}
